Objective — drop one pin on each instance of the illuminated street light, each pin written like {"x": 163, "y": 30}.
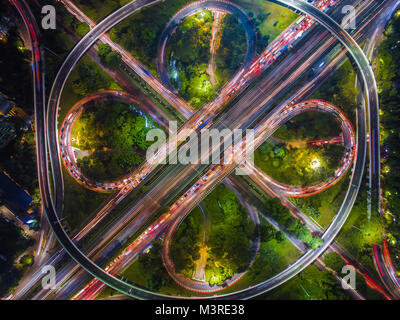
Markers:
{"x": 386, "y": 169}
{"x": 315, "y": 163}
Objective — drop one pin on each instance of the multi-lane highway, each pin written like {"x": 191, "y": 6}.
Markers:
{"x": 386, "y": 269}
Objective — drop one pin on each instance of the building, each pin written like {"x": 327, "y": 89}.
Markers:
{"x": 7, "y": 131}
{"x": 8, "y": 108}
{"x": 5, "y": 105}
{"x": 15, "y": 198}
{"x": 4, "y": 27}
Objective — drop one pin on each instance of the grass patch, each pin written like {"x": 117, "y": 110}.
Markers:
{"x": 326, "y": 203}
{"x": 279, "y": 17}
{"x": 79, "y": 202}
{"x": 97, "y": 11}
{"x": 69, "y": 96}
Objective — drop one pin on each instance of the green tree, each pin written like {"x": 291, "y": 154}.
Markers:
{"x": 81, "y": 28}
{"x": 334, "y": 261}
{"x": 113, "y": 59}
{"x": 103, "y": 51}
{"x": 320, "y": 285}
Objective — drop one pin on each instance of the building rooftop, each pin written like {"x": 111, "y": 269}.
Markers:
{"x": 15, "y": 198}
{"x": 5, "y": 105}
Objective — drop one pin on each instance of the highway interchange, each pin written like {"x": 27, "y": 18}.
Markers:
{"x": 265, "y": 126}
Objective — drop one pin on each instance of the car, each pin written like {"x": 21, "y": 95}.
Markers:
{"x": 317, "y": 234}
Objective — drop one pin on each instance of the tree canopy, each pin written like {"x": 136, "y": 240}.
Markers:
{"x": 115, "y": 134}
{"x": 282, "y": 215}
{"x": 13, "y": 243}
{"x": 230, "y": 234}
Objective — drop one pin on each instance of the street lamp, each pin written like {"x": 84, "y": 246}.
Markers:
{"x": 308, "y": 295}
{"x": 315, "y": 163}
{"x": 368, "y": 234}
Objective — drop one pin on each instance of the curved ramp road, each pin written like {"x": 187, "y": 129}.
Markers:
{"x": 38, "y": 82}
{"x": 370, "y": 88}
{"x": 191, "y": 9}
{"x": 178, "y": 103}
{"x": 203, "y": 286}
{"x": 67, "y": 152}
{"x": 339, "y": 220}
{"x": 287, "y": 114}
{"x": 348, "y": 157}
